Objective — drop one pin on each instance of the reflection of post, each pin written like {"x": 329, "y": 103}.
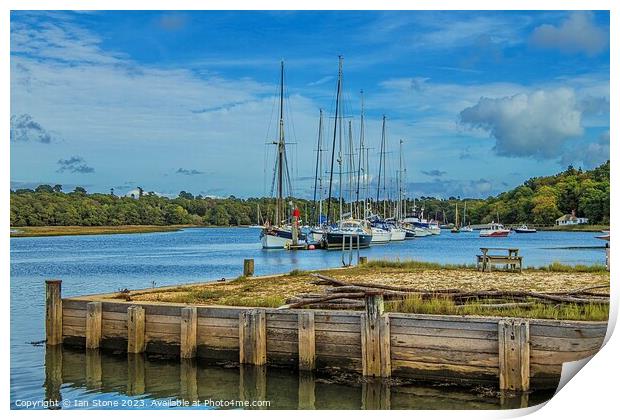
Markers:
{"x": 510, "y": 400}
{"x": 252, "y": 383}
{"x": 135, "y": 374}
{"x": 306, "y": 391}
{"x": 93, "y": 369}
{"x": 189, "y": 383}
{"x": 375, "y": 395}
{"x": 53, "y": 375}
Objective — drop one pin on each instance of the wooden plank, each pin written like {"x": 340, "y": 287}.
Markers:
{"x": 218, "y": 331}
{"x": 252, "y": 337}
{"x": 445, "y": 368}
{"x": 93, "y": 325}
{"x": 537, "y": 369}
{"x": 566, "y": 344}
{"x": 218, "y": 342}
{"x": 68, "y": 303}
{"x": 343, "y": 338}
{"x": 218, "y": 322}
{"x": 53, "y": 312}
{"x": 73, "y": 331}
{"x": 385, "y": 348}
{"x": 284, "y": 325}
{"x": 331, "y": 349}
{"x": 444, "y": 343}
{"x": 114, "y": 316}
{"x": 457, "y": 357}
{"x": 334, "y": 317}
{"x": 135, "y": 329}
{"x": 73, "y": 321}
{"x": 109, "y": 325}
{"x": 75, "y": 313}
{"x": 544, "y": 357}
{"x": 329, "y": 327}
{"x": 163, "y": 319}
{"x": 189, "y": 316}
{"x": 161, "y": 337}
{"x": 567, "y": 331}
{"x": 446, "y": 332}
{"x": 219, "y": 312}
{"x": 288, "y": 347}
{"x": 397, "y": 320}
{"x": 163, "y": 328}
{"x": 306, "y": 337}
{"x": 514, "y": 354}
{"x": 281, "y": 334}
{"x": 281, "y": 316}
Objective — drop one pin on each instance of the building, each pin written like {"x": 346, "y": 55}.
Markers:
{"x": 571, "y": 219}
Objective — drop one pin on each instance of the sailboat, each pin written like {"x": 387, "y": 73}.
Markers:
{"x": 258, "y": 219}
{"x": 466, "y": 228}
{"x": 281, "y": 234}
{"x": 318, "y": 230}
{"x": 381, "y": 232}
{"x": 457, "y": 227}
{"x": 345, "y": 230}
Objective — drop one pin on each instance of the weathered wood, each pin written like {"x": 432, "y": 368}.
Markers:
{"x": 188, "y": 380}
{"x": 189, "y": 318}
{"x": 306, "y": 395}
{"x": 53, "y": 373}
{"x": 458, "y": 357}
{"x": 93, "y": 368}
{"x": 135, "y": 374}
{"x": 136, "y": 329}
{"x": 375, "y": 338}
{"x": 444, "y": 343}
{"x": 248, "y": 267}
{"x": 93, "y": 325}
{"x": 252, "y": 337}
{"x": 53, "y": 312}
{"x": 306, "y": 337}
{"x": 514, "y": 354}
{"x": 376, "y": 395}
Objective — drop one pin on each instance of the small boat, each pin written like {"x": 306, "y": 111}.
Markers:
{"x": 456, "y": 228}
{"x": 605, "y": 236}
{"x": 496, "y": 230}
{"x": 346, "y": 230}
{"x": 380, "y": 235}
{"x": 397, "y": 234}
{"x": 524, "y": 229}
{"x": 467, "y": 228}
{"x": 279, "y": 237}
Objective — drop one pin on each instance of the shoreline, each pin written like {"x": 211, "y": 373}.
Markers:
{"x": 41, "y": 231}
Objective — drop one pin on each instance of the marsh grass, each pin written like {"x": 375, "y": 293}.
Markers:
{"x": 557, "y": 267}
{"x": 443, "y": 306}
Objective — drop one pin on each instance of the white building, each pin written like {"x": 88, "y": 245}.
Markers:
{"x": 571, "y": 219}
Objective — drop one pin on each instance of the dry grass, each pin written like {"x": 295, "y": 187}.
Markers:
{"x": 274, "y": 291}
{"x": 28, "y": 231}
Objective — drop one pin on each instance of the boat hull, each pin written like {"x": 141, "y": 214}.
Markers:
{"x": 333, "y": 240}
{"x": 278, "y": 238}
{"x": 380, "y": 236}
{"x": 494, "y": 234}
{"x": 525, "y": 230}
{"x": 398, "y": 235}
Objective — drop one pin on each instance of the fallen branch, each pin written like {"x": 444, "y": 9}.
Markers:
{"x": 323, "y": 299}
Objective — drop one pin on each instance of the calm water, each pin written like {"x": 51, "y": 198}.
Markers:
{"x": 93, "y": 264}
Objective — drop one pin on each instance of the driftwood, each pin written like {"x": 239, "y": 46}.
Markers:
{"x": 343, "y": 295}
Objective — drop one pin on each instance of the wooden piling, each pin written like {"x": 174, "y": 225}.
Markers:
{"x": 135, "y": 329}
{"x": 252, "y": 337}
{"x": 362, "y": 260}
{"x": 306, "y": 341}
{"x": 514, "y": 354}
{"x": 375, "y": 335}
{"x": 248, "y": 267}
{"x": 53, "y": 312}
{"x": 93, "y": 325}
{"x": 189, "y": 323}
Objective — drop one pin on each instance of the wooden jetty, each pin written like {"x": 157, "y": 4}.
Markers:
{"x": 514, "y": 354}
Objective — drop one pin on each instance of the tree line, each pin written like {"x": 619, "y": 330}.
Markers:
{"x": 539, "y": 200}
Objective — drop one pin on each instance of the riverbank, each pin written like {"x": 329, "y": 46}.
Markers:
{"x": 275, "y": 291}
{"x": 576, "y": 228}
{"x": 34, "y": 231}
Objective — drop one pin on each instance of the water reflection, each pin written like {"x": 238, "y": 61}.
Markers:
{"x": 97, "y": 379}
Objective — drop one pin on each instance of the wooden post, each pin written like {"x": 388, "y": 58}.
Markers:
{"x": 306, "y": 340}
{"x": 375, "y": 334}
{"x": 53, "y": 312}
{"x": 189, "y": 322}
{"x": 306, "y": 394}
{"x": 53, "y": 376}
{"x": 248, "y": 267}
{"x": 376, "y": 395}
{"x": 362, "y": 260}
{"x": 252, "y": 337}
{"x": 135, "y": 329}
{"x": 514, "y": 354}
{"x": 93, "y": 325}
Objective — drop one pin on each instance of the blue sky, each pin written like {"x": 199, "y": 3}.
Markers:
{"x": 176, "y": 101}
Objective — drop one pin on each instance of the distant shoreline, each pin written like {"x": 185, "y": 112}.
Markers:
{"x": 37, "y": 231}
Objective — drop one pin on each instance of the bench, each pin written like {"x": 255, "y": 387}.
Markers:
{"x": 511, "y": 259}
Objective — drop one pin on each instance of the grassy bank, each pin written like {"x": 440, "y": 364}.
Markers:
{"x": 30, "y": 231}
{"x": 576, "y": 228}
{"x": 276, "y": 290}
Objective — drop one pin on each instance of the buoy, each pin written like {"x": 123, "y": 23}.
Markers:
{"x": 310, "y": 247}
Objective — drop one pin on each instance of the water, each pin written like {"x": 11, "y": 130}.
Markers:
{"x": 95, "y": 264}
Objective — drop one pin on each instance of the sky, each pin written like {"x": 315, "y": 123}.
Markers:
{"x": 173, "y": 101}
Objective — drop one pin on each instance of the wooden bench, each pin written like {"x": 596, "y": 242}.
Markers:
{"x": 511, "y": 259}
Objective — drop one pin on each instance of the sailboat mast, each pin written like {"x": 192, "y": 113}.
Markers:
{"x": 331, "y": 171}
{"x": 360, "y": 158}
{"x": 318, "y": 168}
{"x": 281, "y": 150}
{"x": 400, "y": 181}
{"x": 351, "y": 167}
{"x": 381, "y": 158}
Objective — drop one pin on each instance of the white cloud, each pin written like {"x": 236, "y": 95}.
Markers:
{"x": 537, "y": 124}
{"x": 577, "y": 34}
